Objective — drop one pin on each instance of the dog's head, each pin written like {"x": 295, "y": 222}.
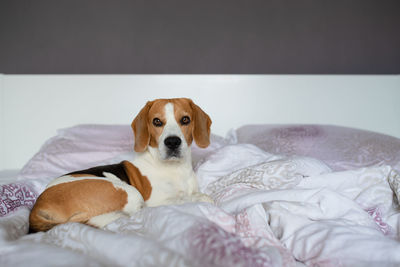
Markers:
{"x": 169, "y": 126}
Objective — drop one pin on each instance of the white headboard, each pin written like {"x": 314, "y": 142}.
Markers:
{"x": 33, "y": 107}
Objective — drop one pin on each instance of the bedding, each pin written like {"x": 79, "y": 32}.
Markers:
{"x": 8, "y": 176}
{"x": 285, "y": 195}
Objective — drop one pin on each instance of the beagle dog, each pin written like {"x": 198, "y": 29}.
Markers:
{"x": 160, "y": 174}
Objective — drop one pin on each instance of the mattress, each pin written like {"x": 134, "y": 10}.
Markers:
{"x": 285, "y": 195}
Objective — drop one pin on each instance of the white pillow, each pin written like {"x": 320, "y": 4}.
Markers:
{"x": 78, "y": 147}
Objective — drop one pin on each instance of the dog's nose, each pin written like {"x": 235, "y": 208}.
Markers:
{"x": 172, "y": 142}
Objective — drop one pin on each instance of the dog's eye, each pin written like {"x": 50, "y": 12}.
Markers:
{"x": 157, "y": 122}
{"x": 185, "y": 120}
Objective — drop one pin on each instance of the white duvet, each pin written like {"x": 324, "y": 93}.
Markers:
{"x": 269, "y": 211}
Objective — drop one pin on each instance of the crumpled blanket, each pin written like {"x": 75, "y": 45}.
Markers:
{"x": 269, "y": 210}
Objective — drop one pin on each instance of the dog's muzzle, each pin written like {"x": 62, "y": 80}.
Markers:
{"x": 173, "y": 143}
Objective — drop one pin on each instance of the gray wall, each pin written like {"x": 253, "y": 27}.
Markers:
{"x": 203, "y": 36}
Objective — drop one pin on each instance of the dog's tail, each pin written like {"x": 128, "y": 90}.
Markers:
{"x": 40, "y": 220}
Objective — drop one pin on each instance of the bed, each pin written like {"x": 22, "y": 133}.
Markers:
{"x": 287, "y": 194}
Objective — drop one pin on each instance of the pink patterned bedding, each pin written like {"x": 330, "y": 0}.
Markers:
{"x": 285, "y": 196}
{"x": 16, "y": 195}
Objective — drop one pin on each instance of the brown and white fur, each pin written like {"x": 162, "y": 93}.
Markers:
{"x": 160, "y": 174}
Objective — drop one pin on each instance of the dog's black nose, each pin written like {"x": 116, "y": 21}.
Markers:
{"x": 172, "y": 142}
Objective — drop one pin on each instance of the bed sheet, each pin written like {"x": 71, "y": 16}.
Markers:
{"x": 271, "y": 209}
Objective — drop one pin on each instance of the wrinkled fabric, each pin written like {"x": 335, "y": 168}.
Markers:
{"x": 324, "y": 218}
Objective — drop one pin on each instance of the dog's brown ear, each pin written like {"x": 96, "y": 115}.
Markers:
{"x": 202, "y": 124}
{"x": 140, "y": 128}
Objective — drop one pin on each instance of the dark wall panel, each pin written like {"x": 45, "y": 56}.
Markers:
{"x": 207, "y": 36}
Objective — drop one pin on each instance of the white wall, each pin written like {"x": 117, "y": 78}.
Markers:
{"x": 34, "y": 106}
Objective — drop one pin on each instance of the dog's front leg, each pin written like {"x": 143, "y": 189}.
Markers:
{"x": 200, "y": 197}
{"x": 183, "y": 197}
{"x": 195, "y": 195}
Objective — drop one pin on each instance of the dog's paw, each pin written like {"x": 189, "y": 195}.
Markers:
{"x": 135, "y": 201}
{"x": 200, "y": 197}
{"x": 195, "y": 197}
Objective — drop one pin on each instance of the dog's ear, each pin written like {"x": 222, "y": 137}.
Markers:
{"x": 201, "y": 128}
{"x": 140, "y": 128}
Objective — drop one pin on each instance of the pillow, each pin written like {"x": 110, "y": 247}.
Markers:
{"x": 78, "y": 147}
{"x": 340, "y": 148}
{"x": 85, "y": 146}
